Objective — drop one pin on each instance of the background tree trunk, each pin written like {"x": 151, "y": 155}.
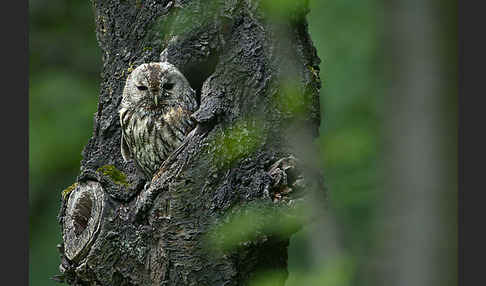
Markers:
{"x": 222, "y": 208}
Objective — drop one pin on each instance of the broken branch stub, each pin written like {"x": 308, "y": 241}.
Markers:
{"x": 82, "y": 219}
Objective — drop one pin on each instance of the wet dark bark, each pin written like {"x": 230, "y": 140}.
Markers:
{"x": 257, "y": 77}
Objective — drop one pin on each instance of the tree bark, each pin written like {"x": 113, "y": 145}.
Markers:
{"x": 250, "y": 159}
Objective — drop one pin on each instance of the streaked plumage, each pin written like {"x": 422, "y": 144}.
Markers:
{"x": 155, "y": 114}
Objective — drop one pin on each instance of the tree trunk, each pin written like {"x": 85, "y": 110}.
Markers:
{"x": 222, "y": 207}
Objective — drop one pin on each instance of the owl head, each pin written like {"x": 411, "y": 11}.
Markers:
{"x": 157, "y": 87}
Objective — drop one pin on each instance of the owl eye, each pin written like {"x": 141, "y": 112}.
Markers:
{"x": 168, "y": 86}
{"x": 142, "y": 87}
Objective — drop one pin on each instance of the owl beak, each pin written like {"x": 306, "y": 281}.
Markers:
{"x": 156, "y": 100}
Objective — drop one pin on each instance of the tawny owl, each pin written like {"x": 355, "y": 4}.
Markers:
{"x": 155, "y": 114}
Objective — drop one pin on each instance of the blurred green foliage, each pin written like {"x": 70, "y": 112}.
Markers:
{"x": 64, "y": 69}
{"x": 291, "y": 100}
{"x": 64, "y": 79}
{"x": 236, "y": 141}
{"x": 255, "y": 221}
{"x": 348, "y": 36}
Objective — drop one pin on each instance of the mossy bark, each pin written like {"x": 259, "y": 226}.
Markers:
{"x": 257, "y": 77}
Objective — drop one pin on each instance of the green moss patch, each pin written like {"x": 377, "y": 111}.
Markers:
{"x": 116, "y": 175}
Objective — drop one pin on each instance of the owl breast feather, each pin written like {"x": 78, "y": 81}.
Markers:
{"x": 152, "y": 137}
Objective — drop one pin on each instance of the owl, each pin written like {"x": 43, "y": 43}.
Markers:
{"x": 155, "y": 114}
